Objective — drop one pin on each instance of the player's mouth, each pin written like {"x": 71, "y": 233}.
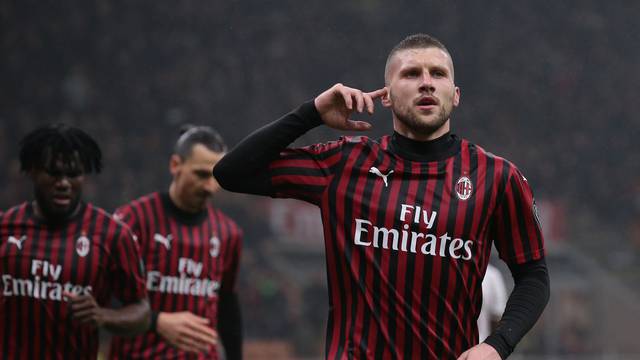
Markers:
{"x": 62, "y": 200}
{"x": 427, "y": 103}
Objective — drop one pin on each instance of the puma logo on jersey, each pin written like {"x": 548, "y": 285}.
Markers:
{"x": 374, "y": 170}
{"x": 166, "y": 241}
{"x": 17, "y": 242}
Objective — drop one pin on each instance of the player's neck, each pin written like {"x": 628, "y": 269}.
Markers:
{"x": 432, "y": 150}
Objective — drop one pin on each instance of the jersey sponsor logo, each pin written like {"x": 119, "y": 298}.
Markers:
{"x": 366, "y": 234}
{"x": 464, "y": 188}
{"x": 17, "y": 241}
{"x": 45, "y": 283}
{"x": 377, "y": 172}
{"x": 83, "y": 246}
{"x": 214, "y": 246}
{"x": 188, "y": 282}
{"x": 164, "y": 240}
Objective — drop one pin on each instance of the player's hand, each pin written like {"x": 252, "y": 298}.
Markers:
{"x": 85, "y": 310}
{"x": 336, "y": 105}
{"x": 186, "y": 331}
{"x": 480, "y": 352}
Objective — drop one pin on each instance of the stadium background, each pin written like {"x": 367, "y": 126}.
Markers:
{"x": 551, "y": 85}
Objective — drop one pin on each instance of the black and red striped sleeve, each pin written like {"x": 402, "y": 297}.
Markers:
{"x": 246, "y": 168}
{"x": 517, "y": 233}
{"x": 232, "y": 258}
{"x": 127, "y": 215}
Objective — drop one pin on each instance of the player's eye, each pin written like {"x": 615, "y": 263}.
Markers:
{"x": 203, "y": 175}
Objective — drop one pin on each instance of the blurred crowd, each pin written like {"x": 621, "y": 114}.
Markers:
{"x": 550, "y": 85}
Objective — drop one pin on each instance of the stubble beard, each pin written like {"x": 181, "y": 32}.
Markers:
{"x": 412, "y": 121}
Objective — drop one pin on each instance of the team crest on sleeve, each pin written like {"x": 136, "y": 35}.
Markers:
{"x": 82, "y": 246}
{"x": 464, "y": 188}
{"x": 214, "y": 246}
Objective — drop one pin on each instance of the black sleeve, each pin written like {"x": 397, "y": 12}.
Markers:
{"x": 230, "y": 325}
{"x": 245, "y": 168}
{"x": 525, "y": 305}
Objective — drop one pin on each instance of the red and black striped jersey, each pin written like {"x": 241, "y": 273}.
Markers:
{"x": 408, "y": 240}
{"x": 90, "y": 254}
{"x": 189, "y": 260}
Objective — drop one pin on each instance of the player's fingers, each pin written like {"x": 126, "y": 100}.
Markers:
{"x": 202, "y": 333}
{"x": 347, "y": 99}
{"x": 357, "y": 125}
{"x": 82, "y": 303}
{"x": 199, "y": 319}
{"x": 191, "y": 345}
{"x": 84, "y": 316}
{"x": 464, "y": 355}
{"x": 368, "y": 101}
{"x": 377, "y": 93}
{"x": 357, "y": 95}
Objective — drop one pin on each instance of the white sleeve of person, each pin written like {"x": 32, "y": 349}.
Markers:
{"x": 494, "y": 300}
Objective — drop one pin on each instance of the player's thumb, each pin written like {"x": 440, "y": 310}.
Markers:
{"x": 358, "y": 125}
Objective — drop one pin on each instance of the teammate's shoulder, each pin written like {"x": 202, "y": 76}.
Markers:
{"x": 224, "y": 218}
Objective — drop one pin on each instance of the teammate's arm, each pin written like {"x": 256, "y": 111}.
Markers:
{"x": 230, "y": 325}
{"x": 244, "y": 169}
{"x": 131, "y": 319}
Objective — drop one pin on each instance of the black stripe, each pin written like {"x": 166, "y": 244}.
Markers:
{"x": 303, "y": 171}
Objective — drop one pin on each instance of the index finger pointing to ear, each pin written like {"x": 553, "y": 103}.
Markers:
{"x": 377, "y": 93}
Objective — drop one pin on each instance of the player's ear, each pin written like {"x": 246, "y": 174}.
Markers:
{"x": 386, "y": 98}
{"x": 456, "y": 97}
{"x": 175, "y": 163}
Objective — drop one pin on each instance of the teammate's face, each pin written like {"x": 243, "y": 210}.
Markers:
{"x": 58, "y": 189}
{"x": 421, "y": 92}
{"x": 193, "y": 180}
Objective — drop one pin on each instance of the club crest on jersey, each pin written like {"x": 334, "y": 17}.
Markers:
{"x": 464, "y": 188}
{"x": 214, "y": 246}
{"x": 17, "y": 241}
{"x": 374, "y": 170}
{"x": 166, "y": 241}
{"x": 82, "y": 246}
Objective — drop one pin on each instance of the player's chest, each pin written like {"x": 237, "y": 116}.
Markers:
{"x": 195, "y": 252}
{"x": 54, "y": 256}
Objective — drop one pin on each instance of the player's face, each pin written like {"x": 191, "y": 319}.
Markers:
{"x": 421, "y": 92}
{"x": 193, "y": 180}
{"x": 58, "y": 189}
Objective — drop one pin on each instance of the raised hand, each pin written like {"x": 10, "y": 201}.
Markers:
{"x": 338, "y": 103}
